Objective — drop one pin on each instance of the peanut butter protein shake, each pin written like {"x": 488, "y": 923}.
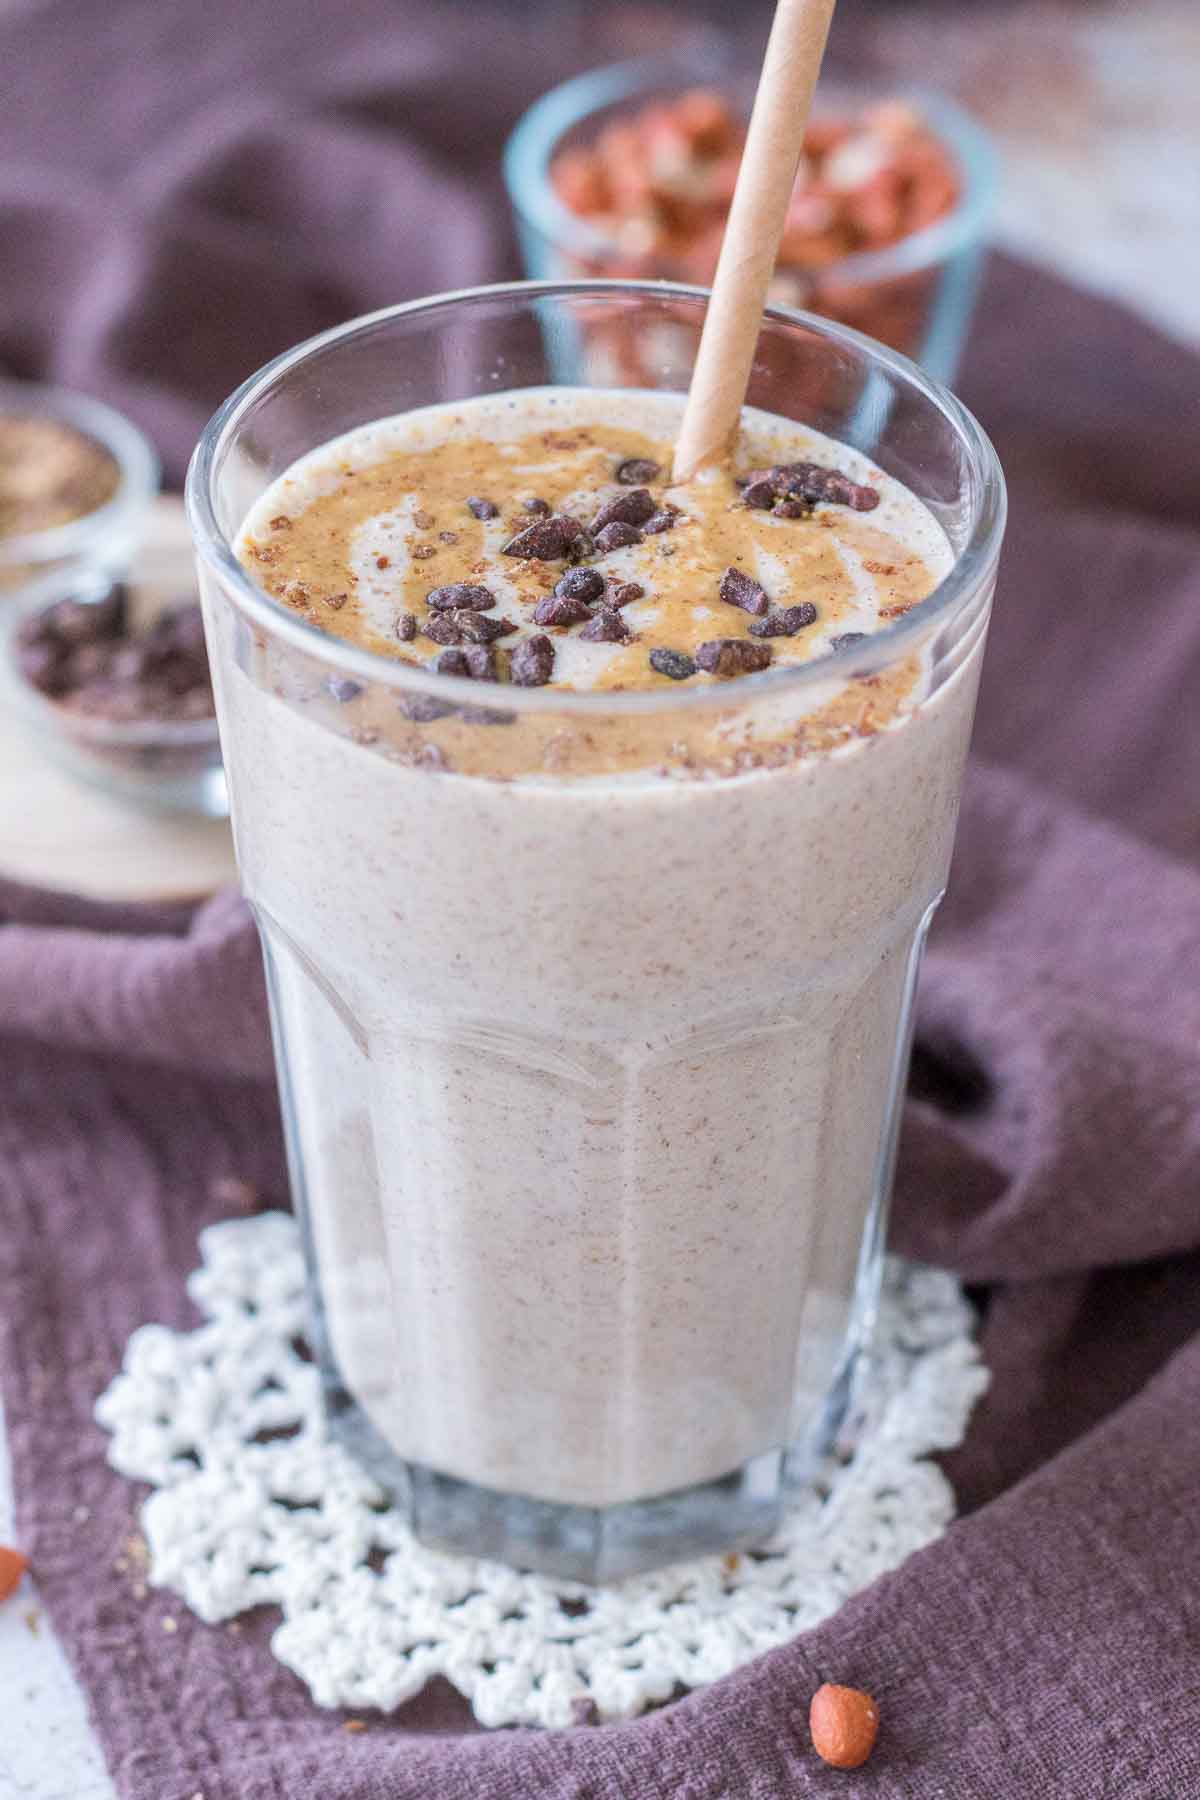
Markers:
{"x": 593, "y": 825}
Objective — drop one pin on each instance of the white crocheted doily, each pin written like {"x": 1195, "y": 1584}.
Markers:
{"x": 253, "y": 1505}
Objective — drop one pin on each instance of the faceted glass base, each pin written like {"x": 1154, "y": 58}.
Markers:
{"x": 589, "y": 1544}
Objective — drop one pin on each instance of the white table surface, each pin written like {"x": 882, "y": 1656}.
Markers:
{"x": 47, "y": 1749}
{"x": 1100, "y": 139}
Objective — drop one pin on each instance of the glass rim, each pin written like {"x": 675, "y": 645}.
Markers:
{"x": 138, "y": 469}
{"x": 531, "y": 144}
{"x": 213, "y": 546}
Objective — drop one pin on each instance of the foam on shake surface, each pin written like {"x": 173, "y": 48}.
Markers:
{"x": 380, "y": 516}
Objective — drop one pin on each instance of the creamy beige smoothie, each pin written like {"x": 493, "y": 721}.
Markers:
{"x": 591, "y": 1022}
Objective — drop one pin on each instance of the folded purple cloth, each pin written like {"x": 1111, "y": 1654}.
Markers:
{"x": 285, "y": 166}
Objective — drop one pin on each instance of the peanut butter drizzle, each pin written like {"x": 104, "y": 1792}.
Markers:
{"x": 305, "y": 559}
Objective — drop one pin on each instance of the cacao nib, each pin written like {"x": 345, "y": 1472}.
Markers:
{"x": 580, "y": 584}
{"x": 532, "y": 662}
{"x": 460, "y": 594}
{"x": 739, "y": 589}
{"x": 561, "y": 609}
{"x": 732, "y": 656}
{"x": 635, "y": 471}
{"x": 617, "y": 536}
{"x": 784, "y": 621}
{"x": 548, "y": 540}
{"x": 464, "y": 627}
{"x": 477, "y": 662}
{"x": 606, "y": 626}
{"x": 633, "y": 508}
{"x": 759, "y": 493}
{"x": 810, "y": 484}
{"x": 422, "y": 709}
{"x": 673, "y": 663}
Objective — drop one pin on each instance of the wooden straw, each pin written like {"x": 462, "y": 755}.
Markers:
{"x": 750, "y": 246}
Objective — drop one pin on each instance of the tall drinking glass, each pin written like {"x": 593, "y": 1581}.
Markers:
{"x": 590, "y": 1079}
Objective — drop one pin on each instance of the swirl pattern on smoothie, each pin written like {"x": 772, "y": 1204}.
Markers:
{"x": 537, "y": 539}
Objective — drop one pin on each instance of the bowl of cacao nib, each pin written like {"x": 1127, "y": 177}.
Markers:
{"x": 628, "y": 171}
{"x": 76, "y": 483}
{"x": 112, "y": 678}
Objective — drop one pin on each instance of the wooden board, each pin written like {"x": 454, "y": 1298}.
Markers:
{"x": 55, "y": 831}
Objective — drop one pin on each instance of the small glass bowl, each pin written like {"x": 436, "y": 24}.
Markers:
{"x": 106, "y": 538}
{"x": 171, "y": 765}
{"x": 916, "y": 295}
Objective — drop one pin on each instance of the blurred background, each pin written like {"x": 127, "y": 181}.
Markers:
{"x": 260, "y": 171}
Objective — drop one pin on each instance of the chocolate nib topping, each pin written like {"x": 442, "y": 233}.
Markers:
{"x": 839, "y": 489}
{"x": 732, "y": 656}
{"x": 580, "y": 584}
{"x": 534, "y": 504}
{"x": 561, "y": 609}
{"x": 549, "y": 540}
{"x": 482, "y": 509}
{"x": 481, "y": 662}
{"x": 636, "y": 470}
{"x": 476, "y": 663}
{"x": 532, "y": 662}
{"x": 846, "y": 638}
{"x": 460, "y": 594}
{"x": 739, "y": 589}
{"x": 486, "y": 715}
{"x": 464, "y": 627}
{"x": 406, "y": 627}
{"x": 626, "y": 592}
{"x": 808, "y": 483}
{"x": 422, "y": 709}
{"x": 617, "y": 536}
{"x": 606, "y": 626}
{"x": 759, "y": 492}
{"x": 660, "y": 521}
{"x": 343, "y": 689}
{"x": 673, "y": 663}
{"x": 444, "y": 628}
{"x": 633, "y": 508}
{"x": 477, "y": 628}
{"x": 785, "y": 621}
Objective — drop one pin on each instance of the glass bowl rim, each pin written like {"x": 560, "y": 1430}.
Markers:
{"x": 139, "y": 471}
{"x": 214, "y": 548}
{"x": 532, "y": 142}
